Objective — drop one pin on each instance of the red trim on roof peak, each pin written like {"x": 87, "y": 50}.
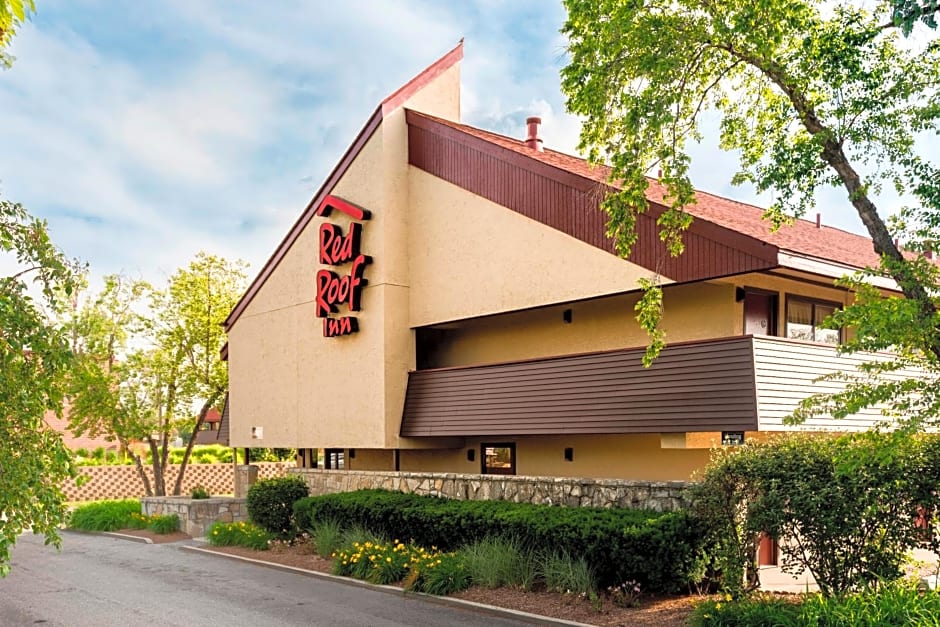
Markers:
{"x": 420, "y": 81}
{"x": 316, "y": 204}
{"x": 332, "y": 202}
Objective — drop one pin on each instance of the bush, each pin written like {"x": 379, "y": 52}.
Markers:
{"x": 446, "y": 574}
{"x": 239, "y": 534}
{"x": 892, "y": 604}
{"x": 660, "y": 551}
{"x": 164, "y": 524}
{"x": 271, "y": 503}
{"x": 758, "y": 610}
{"x": 853, "y": 502}
{"x": 199, "y": 492}
{"x": 107, "y": 516}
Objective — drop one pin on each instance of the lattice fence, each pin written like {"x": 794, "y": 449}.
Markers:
{"x": 119, "y": 482}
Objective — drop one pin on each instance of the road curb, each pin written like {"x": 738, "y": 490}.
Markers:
{"x": 125, "y": 536}
{"x": 460, "y": 603}
{"x": 113, "y": 534}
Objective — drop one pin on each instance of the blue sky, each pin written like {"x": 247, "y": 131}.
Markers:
{"x": 146, "y": 131}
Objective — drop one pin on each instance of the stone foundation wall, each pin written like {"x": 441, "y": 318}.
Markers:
{"x": 196, "y": 514}
{"x": 120, "y": 482}
{"x": 656, "y": 495}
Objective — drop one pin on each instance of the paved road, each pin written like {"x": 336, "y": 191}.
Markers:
{"x": 101, "y": 581}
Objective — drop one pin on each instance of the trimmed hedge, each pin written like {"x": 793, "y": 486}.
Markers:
{"x": 661, "y": 551}
{"x": 271, "y": 503}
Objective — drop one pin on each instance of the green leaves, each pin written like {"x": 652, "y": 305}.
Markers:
{"x": 148, "y": 356}
{"x": 34, "y": 361}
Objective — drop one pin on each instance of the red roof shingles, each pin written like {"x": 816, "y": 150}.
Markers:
{"x": 802, "y": 237}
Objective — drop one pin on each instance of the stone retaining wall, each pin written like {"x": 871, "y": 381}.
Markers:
{"x": 196, "y": 514}
{"x": 656, "y": 495}
{"x": 119, "y": 482}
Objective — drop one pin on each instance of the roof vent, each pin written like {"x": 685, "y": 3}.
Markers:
{"x": 818, "y": 220}
{"x": 532, "y": 139}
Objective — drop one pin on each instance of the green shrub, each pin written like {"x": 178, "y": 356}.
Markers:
{"x": 239, "y": 534}
{"x": 82, "y": 452}
{"x": 107, "y": 516}
{"x": 327, "y": 537}
{"x": 852, "y": 500}
{"x": 750, "y": 611}
{"x": 660, "y": 551}
{"x": 898, "y": 604}
{"x": 164, "y": 524}
{"x": 199, "y": 492}
{"x": 441, "y": 574}
{"x": 271, "y": 503}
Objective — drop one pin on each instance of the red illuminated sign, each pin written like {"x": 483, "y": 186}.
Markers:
{"x": 337, "y": 249}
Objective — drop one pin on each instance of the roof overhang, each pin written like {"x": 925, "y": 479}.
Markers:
{"x": 834, "y": 270}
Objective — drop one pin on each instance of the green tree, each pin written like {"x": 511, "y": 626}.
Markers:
{"x": 809, "y": 94}
{"x": 34, "y": 361}
{"x": 12, "y": 15}
{"x": 149, "y": 360}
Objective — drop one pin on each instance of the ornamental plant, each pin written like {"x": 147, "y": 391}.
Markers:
{"x": 849, "y": 509}
{"x": 271, "y": 503}
{"x": 243, "y": 534}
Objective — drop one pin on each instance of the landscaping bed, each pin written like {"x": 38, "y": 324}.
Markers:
{"x": 656, "y": 610}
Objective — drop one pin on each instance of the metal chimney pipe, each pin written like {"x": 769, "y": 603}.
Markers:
{"x": 532, "y": 139}
{"x": 818, "y": 220}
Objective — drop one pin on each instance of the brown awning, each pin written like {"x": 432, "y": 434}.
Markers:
{"x": 698, "y": 386}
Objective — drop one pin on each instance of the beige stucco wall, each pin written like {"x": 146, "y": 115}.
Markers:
{"x": 307, "y": 390}
{"x": 472, "y": 257}
{"x": 692, "y": 312}
{"x": 607, "y": 456}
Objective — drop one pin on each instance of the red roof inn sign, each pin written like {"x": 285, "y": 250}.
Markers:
{"x": 338, "y": 249}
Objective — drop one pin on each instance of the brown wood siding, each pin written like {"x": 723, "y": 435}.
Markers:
{"x": 223, "y": 432}
{"x": 703, "y": 386}
{"x": 570, "y": 203}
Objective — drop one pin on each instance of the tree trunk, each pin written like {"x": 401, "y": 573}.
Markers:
{"x": 158, "y": 483}
{"x": 178, "y": 487}
{"x": 138, "y": 464}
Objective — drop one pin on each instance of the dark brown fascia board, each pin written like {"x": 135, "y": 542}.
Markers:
{"x": 392, "y": 102}
{"x": 700, "y": 226}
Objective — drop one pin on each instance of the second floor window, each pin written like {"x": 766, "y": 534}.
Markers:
{"x": 805, "y": 317}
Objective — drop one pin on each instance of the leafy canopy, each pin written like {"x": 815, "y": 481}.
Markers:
{"x": 12, "y": 14}
{"x": 34, "y": 361}
{"x": 809, "y": 94}
{"x": 148, "y": 357}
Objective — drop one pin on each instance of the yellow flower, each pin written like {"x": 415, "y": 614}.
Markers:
{"x": 718, "y": 606}
{"x": 727, "y": 597}
{"x": 388, "y": 559}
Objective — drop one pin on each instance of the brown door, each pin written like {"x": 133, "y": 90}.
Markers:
{"x": 759, "y": 309}
{"x": 767, "y": 551}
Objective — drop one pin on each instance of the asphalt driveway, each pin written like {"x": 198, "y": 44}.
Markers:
{"x": 101, "y": 581}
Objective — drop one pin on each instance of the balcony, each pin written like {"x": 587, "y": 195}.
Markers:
{"x": 744, "y": 383}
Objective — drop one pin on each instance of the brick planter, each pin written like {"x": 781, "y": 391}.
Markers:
{"x": 196, "y": 514}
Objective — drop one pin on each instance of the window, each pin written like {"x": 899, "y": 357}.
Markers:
{"x": 804, "y": 318}
{"x": 499, "y": 459}
{"x": 334, "y": 459}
